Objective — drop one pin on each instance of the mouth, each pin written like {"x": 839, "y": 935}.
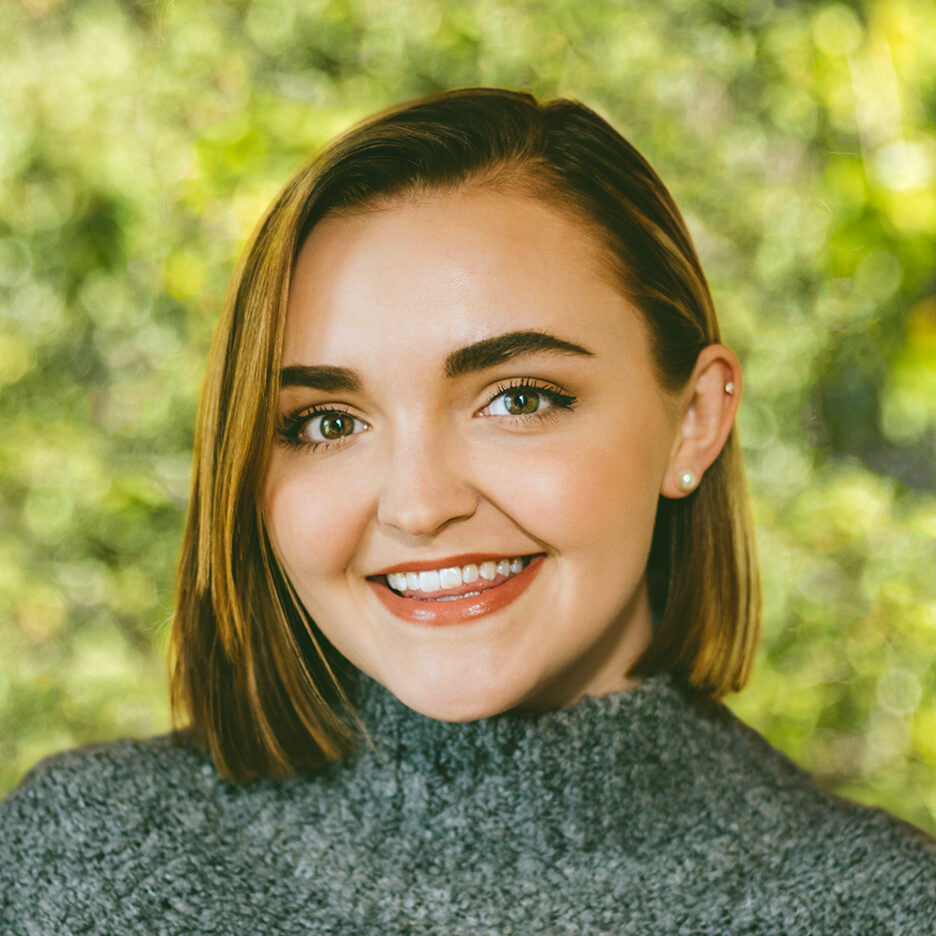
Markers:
{"x": 456, "y": 594}
{"x": 454, "y": 582}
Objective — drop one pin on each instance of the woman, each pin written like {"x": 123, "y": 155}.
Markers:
{"x": 468, "y": 566}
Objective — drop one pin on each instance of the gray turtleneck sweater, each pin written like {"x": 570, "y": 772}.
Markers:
{"x": 645, "y": 812}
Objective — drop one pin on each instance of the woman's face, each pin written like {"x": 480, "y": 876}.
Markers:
{"x": 463, "y": 386}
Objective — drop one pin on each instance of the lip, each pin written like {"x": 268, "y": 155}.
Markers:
{"x": 448, "y": 562}
{"x": 459, "y": 610}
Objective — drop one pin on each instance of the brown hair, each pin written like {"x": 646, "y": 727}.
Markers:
{"x": 253, "y": 680}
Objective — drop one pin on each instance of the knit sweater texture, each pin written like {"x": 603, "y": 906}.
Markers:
{"x": 649, "y": 811}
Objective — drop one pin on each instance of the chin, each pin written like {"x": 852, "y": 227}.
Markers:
{"x": 453, "y": 701}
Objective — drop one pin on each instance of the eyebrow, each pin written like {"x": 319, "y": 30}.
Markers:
{"x": 468, "y": 360}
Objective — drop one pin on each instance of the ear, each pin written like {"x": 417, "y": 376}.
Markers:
{"x": 707, "y": 405}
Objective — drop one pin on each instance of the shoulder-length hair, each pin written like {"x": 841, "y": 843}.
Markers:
{"x": 253, "y": 680}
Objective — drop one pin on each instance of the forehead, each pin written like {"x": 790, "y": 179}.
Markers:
{"x": 431, "y": 274}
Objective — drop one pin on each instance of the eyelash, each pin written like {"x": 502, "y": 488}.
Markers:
{"x": 559, "y": 399}
{"x": 291, "y": 424}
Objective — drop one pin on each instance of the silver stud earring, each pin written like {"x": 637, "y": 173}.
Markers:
{"x": 729, "y": 388}
{"x": 686, "y": 481}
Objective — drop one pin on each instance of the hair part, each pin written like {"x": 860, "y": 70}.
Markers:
{"x": 253, "y": 680}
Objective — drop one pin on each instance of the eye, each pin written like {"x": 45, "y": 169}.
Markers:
{"x": 522, "y": 398}
{"x": 328, "y": 427}
{"x": 319, "y": 427}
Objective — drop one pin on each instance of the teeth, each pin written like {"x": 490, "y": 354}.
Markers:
{"x": 453, "y": 577}
{"x": 450, "y": 578}
{"x": 429, "y": 581}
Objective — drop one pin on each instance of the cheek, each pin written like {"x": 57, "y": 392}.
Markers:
{"x": 315, "y": 526}
{"x": 600, "y": 490}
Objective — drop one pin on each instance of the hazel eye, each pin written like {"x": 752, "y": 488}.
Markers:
{"x": 517, "y": 402}
{"x": 329, "y": 426}
{"x": 319, "y": 428}
{"x": 528, "y": 401}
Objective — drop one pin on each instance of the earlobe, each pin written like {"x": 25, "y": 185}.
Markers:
{"x": 711, "y": 400}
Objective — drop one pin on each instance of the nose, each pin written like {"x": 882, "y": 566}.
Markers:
{"x": 425, "y": 488}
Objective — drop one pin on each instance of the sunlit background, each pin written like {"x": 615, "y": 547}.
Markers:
{"x": 139, "y": 142}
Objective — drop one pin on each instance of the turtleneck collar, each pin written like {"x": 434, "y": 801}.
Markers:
{"x": 567, "y": 771}
{"x": 623, "y": 725}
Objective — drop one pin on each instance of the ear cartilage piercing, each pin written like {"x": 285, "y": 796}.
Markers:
{"x": 729, "y": 387}
{"x": 686, "y": 481}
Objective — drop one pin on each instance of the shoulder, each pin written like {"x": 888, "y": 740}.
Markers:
{"x": 90, "y": 815}
{"x": 820, "y": 852}
{"x": 119, "y": 778}
{"x": 107, "y": 839}
{"x": 112, "y": 786}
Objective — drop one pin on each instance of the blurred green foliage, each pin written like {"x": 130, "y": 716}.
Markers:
{"x": 139, "y": 142}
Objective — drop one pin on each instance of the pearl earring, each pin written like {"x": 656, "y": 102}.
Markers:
{"x": 729, "y": 388}
{"x": 686, "y": 481}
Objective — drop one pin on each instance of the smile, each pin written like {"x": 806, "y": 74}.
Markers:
{"x": 456, "y": 581}
{"x": 456, "y": 594}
